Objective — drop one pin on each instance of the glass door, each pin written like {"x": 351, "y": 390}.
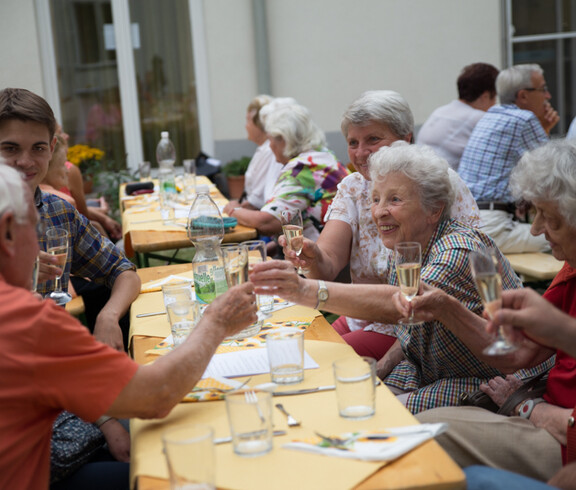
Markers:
{"x": 92, "y": 99}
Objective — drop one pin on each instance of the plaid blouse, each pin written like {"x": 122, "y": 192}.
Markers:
{"x": 438, "y": 367}
{"x": 93, "y": 256}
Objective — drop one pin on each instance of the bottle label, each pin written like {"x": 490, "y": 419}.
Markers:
{"x": 209, "y": 282}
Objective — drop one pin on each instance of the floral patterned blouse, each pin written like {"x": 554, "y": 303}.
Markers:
{"x": 308, "y": 182}
{"x": 368, "y": 256}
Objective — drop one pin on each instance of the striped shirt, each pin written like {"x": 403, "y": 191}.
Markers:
{"x": 498, "y": 141}
{"x": 93, "y": 256}
{"x": 437, "y": 365}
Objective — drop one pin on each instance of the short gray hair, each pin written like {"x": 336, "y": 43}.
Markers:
{"x": 548, "y": 173}
{"x": 13, "y": 194}
{"x": 294, "y": 125}
{"x": 384, "y": 107}
{"x": 511, "y": 80}
{"x": 423, "y": 166}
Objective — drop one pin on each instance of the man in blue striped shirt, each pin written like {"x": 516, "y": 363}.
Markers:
{"x": 520, "y": 123}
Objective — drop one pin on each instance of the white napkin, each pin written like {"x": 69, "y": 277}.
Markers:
{"x": 402, "y": 440}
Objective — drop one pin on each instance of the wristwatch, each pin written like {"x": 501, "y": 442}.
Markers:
{"x": 322, "y": 295}
{"x": 526, "y": 407}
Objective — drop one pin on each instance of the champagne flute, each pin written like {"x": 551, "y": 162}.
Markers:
{"x": 408, "y": 261}
{"x": 57, "y": 245}
{"x": 35, "y": 271}
{"x": 485, "y": 270}
{"x": 293, "y": 229}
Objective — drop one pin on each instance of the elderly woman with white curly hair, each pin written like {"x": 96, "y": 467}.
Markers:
{"x": 411, "y": 196}
{"x": 309, "y": 177}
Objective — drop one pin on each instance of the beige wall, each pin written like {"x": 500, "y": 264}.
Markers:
{"x": 326, "y": 52}
{"x": 20, "y": 63}
{"x": 323, "y": 52}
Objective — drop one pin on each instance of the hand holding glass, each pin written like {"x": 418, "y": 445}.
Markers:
{"x": 408, "y": 261}
{"x": 57, "y": 246}
{"x": 485, "y": 269}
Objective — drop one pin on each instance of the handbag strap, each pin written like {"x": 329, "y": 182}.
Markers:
{"x": 533, "y": 388}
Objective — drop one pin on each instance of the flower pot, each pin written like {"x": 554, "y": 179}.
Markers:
{"x": 235, "y": 186}
{"x": 88, "y": 185}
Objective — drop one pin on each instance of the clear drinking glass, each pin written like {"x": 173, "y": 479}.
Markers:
{"x": 57, "y": 245}
{"x": 485, "y": 268}
{"x": 235, "y": 257}
{"x": 257, "y": 254}
{"x": 408, "y": 262}
{"x": 293, "y": 229}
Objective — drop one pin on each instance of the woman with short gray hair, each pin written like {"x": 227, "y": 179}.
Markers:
{"x": 309, "y": 176}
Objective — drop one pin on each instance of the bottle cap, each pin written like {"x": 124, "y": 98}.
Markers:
{"x": 202, "y": 189}
{"x": 164, "y": 134}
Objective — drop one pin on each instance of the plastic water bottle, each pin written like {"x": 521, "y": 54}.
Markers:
{"x": 165, "y": 152}
{"x": 206, "y": 231}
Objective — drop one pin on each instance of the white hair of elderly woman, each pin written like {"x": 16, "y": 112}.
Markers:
{"x": 421, "y": 165}
{"x": 548, "y": 173}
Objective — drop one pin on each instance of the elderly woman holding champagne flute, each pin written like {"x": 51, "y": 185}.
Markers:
{"x": 375, "y": 119}
{"x": 411, "y": 196}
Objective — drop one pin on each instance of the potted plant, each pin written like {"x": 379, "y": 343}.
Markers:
{"x": 234, "y": 171}
{"x": 88, "y": 160}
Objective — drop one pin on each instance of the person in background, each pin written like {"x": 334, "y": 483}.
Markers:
{"x": 27, "y": 130}
{"x": 375, "y": 119}
{"x": 520, "y": 123}
{"x": 57, "y": 175}
{"x": 309, "y": 173}
{"x": 52, "y": 363}
{"x": 449, "y": 127}
{"x": 75, "y": 188}
{"x": 263, "y": 170}
{"x": 531, "y": 439}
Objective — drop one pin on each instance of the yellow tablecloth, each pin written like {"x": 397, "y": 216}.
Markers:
{"x": 282, "y": 468}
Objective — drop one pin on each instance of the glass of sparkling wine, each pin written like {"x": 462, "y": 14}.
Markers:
{"x": 408, "y": 262}
{"x": 293, "y": 229}
{"x": 34, "y": 285}
{"x": 485, "y": 269}
{"x": 57, "y": 245}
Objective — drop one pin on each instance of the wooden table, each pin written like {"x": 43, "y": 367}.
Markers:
{"x": 428, "y": 466}
{"x": 144, "y": 243}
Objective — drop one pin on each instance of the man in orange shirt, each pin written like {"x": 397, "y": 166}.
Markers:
{"x": 50, "y": 362}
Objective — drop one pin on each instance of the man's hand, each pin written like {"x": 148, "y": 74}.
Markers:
{"x": 48, "y": 269}
{"x": 427, "y": 305}
{"x": 233, "y": 310}
{"x": 118, "y": 440}
{"x": 107, "y": 330}
{"x": 550, "y": 118}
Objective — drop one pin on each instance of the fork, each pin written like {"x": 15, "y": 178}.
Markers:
{"x": 337, "y": 442}
{"x": 291, "y": 421}
{"x": 251, "y": 397}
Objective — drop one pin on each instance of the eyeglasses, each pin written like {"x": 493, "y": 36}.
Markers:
{"x": 543, "y": 89}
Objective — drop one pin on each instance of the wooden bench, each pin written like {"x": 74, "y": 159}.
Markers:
{"x": 76, "y": 306}
{"x": 535, "y": 266}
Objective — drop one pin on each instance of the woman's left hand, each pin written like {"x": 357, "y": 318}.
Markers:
{"x": 500, "y": 389}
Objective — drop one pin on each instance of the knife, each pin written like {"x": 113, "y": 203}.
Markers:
{"x": 154, "y": 313}
{"x": 223, "y": 440}
{"x": 304, "y": 391}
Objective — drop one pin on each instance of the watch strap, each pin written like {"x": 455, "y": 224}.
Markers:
{"x": 527, "y": 406}
{"x": 321, "y": 295}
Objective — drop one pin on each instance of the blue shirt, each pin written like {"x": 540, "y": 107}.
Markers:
{"x": 498, "y": 141}
{"x": 90, "y": 254}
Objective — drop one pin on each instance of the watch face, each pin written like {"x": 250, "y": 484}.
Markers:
{"x": 323, "y": 295}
